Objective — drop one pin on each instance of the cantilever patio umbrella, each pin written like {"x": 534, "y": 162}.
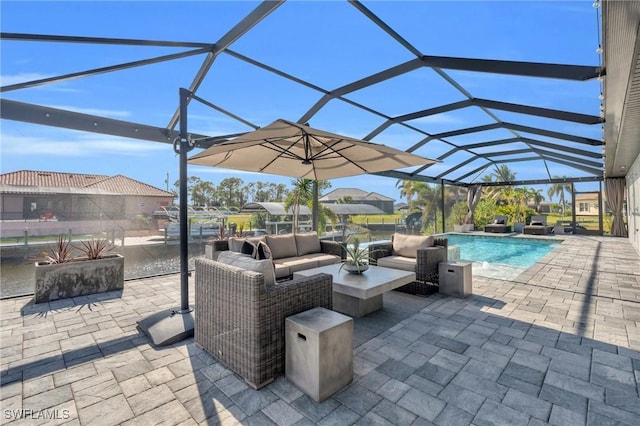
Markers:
{"x": 299, "y": 151}
{"x": 281, "y": 148}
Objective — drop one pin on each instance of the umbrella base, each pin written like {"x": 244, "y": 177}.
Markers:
{"x": 169, "y": 326}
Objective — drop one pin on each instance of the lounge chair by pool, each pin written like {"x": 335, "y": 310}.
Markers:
{"x": 499, "y": 225}
{"x": 538, "y": 226}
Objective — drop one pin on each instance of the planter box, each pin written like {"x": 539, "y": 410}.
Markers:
{"x": 78, "y": 278}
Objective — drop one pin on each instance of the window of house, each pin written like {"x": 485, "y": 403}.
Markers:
{"x": 584, "y": 207}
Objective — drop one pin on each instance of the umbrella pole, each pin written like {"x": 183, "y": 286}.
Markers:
{"x": 176, "y": 324}
{"x": 315, "y": 208}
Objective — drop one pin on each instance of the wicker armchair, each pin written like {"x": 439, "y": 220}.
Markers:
{"x": 241, "y": 322}
{"x": 426, "y": 264}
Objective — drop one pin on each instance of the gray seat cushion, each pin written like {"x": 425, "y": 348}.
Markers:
{"x": 398, "y": 262}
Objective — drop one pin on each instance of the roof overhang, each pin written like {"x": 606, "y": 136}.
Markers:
{"x": 621, "y": 50}
{"x": 352, "y": 208}
{"x": 272, "y": 208}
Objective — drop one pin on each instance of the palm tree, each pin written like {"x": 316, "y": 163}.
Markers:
{"x": 491, "y": 192}
{"x": 520, "y": 198}
{"x": 301, "y": 194}
{"x": 427, "y": 198}
{"x": 536, "y": 196}
{"x": 500, "y": 174}
{"x": 559, "y": 189}
{"x": 503, "y": 173}
{"x": 408, "y": 188}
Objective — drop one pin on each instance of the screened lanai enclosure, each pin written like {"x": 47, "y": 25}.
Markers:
{"x": 547, "y": 91}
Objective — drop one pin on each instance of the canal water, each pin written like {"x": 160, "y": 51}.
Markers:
{"x": 17, "y": 273}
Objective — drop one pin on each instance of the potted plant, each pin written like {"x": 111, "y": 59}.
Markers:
{"x": 459, "y": 213}
{"x": 61, "y": 274}
{"x": 357, "y": 259}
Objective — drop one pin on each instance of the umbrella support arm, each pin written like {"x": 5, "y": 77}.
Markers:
{"x": 176, "y": 324}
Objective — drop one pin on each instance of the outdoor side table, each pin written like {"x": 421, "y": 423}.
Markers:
{"x": 455, "y": 278}
{"x": 319, "y": 352}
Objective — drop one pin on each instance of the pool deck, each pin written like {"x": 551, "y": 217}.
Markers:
{"x": 560, "y": 344}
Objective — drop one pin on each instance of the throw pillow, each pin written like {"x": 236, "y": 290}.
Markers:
{"x": 408, "y": 245}
{"x": 235, "y": 243}
{"x": 248, "y": 248}
{"x": 282, "y": 246}
{"x": 263, "y": 251}
{"x": 535, "y": 223}
{"x": 308, "y": 243}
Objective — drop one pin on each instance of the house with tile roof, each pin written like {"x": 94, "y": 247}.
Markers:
{"x": 42, "y": 195}
{"x": 358, "y": 196}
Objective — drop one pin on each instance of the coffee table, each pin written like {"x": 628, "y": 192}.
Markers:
{"x": 357, "y": 295}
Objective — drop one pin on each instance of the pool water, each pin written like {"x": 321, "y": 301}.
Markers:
{"x": 500, "y": 257}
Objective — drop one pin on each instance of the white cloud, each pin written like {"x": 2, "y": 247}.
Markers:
{"x": 83, "y": 146}
{"x": 439, "y": 119}
{"x": 95, "y": 111}
{"x": 220, "y": 170}
{"x": 8, "y": 80}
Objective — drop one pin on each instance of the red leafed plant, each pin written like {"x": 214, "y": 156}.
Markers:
{"x": 61, "y": 252}
{"x": 95, "y": 248}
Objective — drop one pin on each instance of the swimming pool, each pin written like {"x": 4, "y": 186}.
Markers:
{"x": 500, "y": 257}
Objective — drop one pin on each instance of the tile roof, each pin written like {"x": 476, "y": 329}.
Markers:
{"x": 40, "y": 178}
{"x": 101, "y": 183}
{"x": 127, "y": 186}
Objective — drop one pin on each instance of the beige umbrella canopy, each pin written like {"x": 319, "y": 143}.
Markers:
{"x": 296, "y": 150}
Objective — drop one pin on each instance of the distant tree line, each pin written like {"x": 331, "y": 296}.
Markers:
{"x": 231, "y": 192}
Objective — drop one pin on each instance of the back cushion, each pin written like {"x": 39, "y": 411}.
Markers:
{"x": 265, "y": 267}
{"x": 308, "y": 243}
{"x": 282, "y": 246}
{"x": 408, "y": 245}
{"x": 235, "y": 244}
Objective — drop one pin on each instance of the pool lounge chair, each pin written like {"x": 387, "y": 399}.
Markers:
{"x": 538, "y": 226}
{"x": 499, "y": 225}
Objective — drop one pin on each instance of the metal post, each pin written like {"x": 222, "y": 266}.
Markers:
{"x": 316, "y": 208}
{"x": 573, "y": 209}
{"x": 184, "y": 236}
{"x": 600, "y": 209}
{"x": 26, "y": 244}
{"x": 173, "y": 325}
{"x": 442, "y": 203}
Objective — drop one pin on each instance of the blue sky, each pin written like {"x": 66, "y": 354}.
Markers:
{"x": 327, "y": 43}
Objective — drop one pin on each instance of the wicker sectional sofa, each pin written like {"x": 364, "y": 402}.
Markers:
{"x": 240, "y": 318}
{"x": 289, "y": 252}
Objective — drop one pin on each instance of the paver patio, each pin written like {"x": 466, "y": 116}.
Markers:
{"x": 558, "y": 345}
